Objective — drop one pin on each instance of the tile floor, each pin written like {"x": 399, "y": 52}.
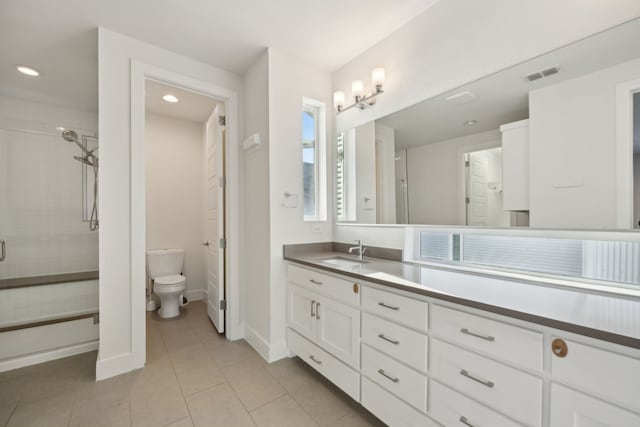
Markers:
{"x": 193, "y": 377}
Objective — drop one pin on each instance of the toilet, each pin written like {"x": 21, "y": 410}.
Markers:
{"x": 164, "y": 267}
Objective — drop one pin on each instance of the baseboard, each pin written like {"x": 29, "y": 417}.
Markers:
{"x": 279, "y": 350}
{"x": 116, "y": 365}
{"x": 269, "y": 352}
{"x": 46, "y": 356}
{"x": 256, "y": 341}
{"x": 194, "y": 294}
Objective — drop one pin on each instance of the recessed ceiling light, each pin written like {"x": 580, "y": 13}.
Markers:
{"x": 470, "y": 123}
{"x": 170, "y": 98}
{"x": 28, "y": 71}
{"x": 61, "y": 128}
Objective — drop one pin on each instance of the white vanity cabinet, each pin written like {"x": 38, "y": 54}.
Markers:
{"x": 323, "y": 321}
{"x": 414, "y": 360}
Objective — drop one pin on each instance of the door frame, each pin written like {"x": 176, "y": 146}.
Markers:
{"x": 462, "y": 179}
{"x": 624, "y": 153}
{"x": 140, "y": 73}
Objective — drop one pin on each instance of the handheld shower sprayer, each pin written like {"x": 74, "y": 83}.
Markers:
{"x": 88, "y": 159}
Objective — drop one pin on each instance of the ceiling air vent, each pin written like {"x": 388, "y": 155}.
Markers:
{"x": 461, "y": 98}
{"x": 542, "y": 74}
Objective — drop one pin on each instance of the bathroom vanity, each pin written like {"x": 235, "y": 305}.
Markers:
{"x": 427, "y": 346}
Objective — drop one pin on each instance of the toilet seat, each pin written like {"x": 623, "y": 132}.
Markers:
{"x": 166, "y": 281}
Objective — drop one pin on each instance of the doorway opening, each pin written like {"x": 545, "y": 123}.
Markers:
{"x": 185, "y": 228}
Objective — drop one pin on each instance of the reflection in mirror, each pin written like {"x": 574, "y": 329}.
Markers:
{"x": 532, "y": 145}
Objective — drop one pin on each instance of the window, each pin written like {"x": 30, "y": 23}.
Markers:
{"x": 340, "y": 178}
{"x": 313, "y": 160}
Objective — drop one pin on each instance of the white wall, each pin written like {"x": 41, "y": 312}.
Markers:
{"x": 434, "y": 176}
{"x": 572, "y": 164}
{"x": 118, "y": 320}
{"x": 256, "y": 247}
{"x": 457, "y": 41}
{"x": 289, "y": 81}
{"x": 174, "y": 188}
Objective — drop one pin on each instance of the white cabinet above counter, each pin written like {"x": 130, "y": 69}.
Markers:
{"x": 429, "y": 360}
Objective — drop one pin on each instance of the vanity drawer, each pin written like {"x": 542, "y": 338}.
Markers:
{"x": 400, "y": 309}
{"x": 611, "y": 375}
{"x": 400, "y": 380}
{"x": 453, "y": 409}
{"x": 391, "y": 410}
{"x": 397, "y": 341}
{"x": 338, "y": 289}
{"x": 507, "y": 342}
{"x": 515, "y": 393}
{"x": 337, "y": 372}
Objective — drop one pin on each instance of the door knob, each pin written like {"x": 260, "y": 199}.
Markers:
{"x": 205, "y": 244}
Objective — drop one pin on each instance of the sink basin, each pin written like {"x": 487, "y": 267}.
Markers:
{"x": 344, "y": 261}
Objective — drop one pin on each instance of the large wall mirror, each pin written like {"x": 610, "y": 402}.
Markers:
{"x": 537, "y": 144}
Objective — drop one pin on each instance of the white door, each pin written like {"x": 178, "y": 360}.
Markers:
{"x": 339, "y": 330}
{"x": 477, "y": 190}
{"x": 301, "y": 311}
{"x": 214, "y": 217}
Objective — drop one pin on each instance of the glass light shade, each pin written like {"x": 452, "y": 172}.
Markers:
{"x": 377, "y": 76}
{"x": 338, "y": 99}
{"x": 357, "y": 88}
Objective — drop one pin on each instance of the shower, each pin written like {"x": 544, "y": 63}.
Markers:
{"x": 88, "y": 159}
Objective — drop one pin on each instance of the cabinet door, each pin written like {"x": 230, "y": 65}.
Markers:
{"x": 301, "y": 311}
{"x": 339, "y": 330}
{"x": 570, "y": 408}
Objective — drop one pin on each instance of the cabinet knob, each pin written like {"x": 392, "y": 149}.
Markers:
{"x": 356, "y": 288}
{"x": 559, "y": 347}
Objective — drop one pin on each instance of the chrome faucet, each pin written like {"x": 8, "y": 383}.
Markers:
{"x": 361, "y": 249}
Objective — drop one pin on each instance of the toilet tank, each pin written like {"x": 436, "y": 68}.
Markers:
{"x": 164, "y": 262}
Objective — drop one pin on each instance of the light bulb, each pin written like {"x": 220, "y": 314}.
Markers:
{"x": 357, "y": 88}
{"x": 338, "y": 100}
{"x": 377, "y": 77}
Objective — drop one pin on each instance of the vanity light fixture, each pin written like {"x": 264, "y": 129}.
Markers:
{"x": 470, "y": 123}
{"x": 362, "y": 100}
{"x": 170, "y": 98}
{"x": 28, "y": 71}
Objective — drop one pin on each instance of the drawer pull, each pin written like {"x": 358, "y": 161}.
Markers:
{"x": 315, "y": 282}
{"x": 392, "y": 341}
{"x": 473, "y": 334}
{"x": 313, "y": 304}
{"x": 466, "y": 422}
{"x": 387, "y": 376}
{"x": 312, "y": 357}
{"x": 486, "y": 383}
{"x": 559, "y": 347}
{"x": 318, "y": 310}
{"x": 390, "y": 307}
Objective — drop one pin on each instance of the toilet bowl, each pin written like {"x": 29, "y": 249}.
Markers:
{"x": 164, "y": 267}
{"x": 169, "y": 289}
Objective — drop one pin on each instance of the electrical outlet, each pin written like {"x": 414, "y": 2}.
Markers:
{"x": 316, "y": 228}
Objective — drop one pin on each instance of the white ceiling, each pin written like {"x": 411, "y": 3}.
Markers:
{"x": 59, "y": 37}
{"x": 503, "y": 97}
{"x": 190, "y": 106}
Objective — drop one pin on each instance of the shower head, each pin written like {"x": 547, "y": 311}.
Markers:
{"x": 70, "y": 136}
